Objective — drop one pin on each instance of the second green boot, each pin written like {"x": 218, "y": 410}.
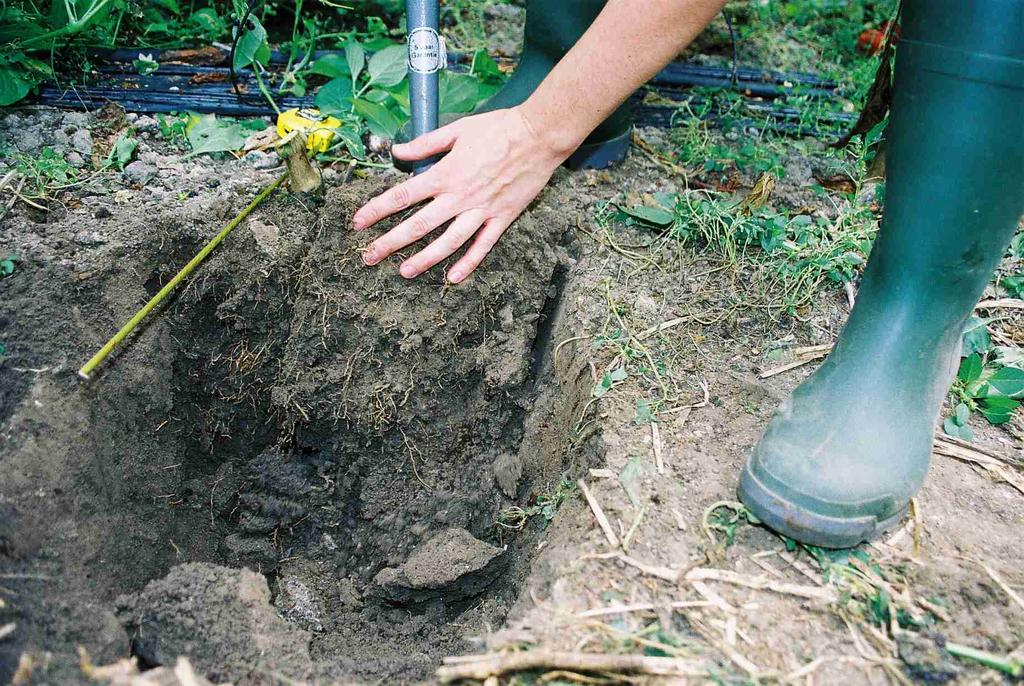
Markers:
{"x": 845, "y": 453}
{"x": 552, "y": 28}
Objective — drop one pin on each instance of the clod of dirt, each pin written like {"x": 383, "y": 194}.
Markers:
{"x": 508, "y": 469}
{"x": 453, "y": 561}
{"x": 221, "y": 619}
{"x": 926, "y": 658}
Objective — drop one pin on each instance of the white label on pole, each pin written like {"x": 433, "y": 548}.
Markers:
{"x": 426, "y": 51}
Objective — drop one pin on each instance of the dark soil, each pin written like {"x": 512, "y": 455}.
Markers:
{"x": 332, "y": 427}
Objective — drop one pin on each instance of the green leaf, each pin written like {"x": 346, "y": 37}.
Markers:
{"x": 643, "y": 412}
{"x": 379, "y": 119}
{"x": 356, "y": 58}
{"x": 998, "y": 409}
{"x": 951, "y": 428}
{"x": 8, "y": 265}
{"x": 1006, "y": 381}
{"x": 332, "y": 65}
{"x": 963, "y": 413}
{"x": 976, "y": 337}
{"x": 400, "y": 93}
{"x": 970, "y": 368}
{"x": 252, "y": 47}
{"x": 608, "y": 380}
{"x": 1010, "y": 356}
{"x": 122, "y": 151}
{"x": 1014, "y": 285}
{"x": 485, "y": 68}
{"x": 145, "y": 64}
{"x": 353, "y": 141}
{"x": 630, "y": 473}
{"x": 209, "y": 134}
{"x": 376, "y": 95}
{"x": 459, "y": 93}
{"x": 656, "y": 216}
{"x": 334, "y": 97}
{"x": 13, "y": 86}
{"x": 387, "y": 67}
{"x": 208, "y": 22}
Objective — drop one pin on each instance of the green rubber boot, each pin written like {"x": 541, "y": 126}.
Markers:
{"x": 552, "y": 28}
{"x": 844, "y": 454}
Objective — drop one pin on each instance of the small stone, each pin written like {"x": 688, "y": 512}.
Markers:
{"x": 147, "y": 124}
{"x": 101, "y": 212}
{"x": 81, "y": 141}
{"x": 268, "y": 162}
{"x": 90, "y": 238}
{"x": 268, "y": 236}
{"x": 140, "y": 172}
{"x": 297, "y": 603}
{"x": 506, "y": 318}
{"x": 926, "y": 658}
{"x": 453, "y": 563}
{"x": 378, "y": 144}
{"x": 75, "y": 160}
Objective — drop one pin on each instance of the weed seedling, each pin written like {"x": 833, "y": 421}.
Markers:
{"x": 8, "y": 265}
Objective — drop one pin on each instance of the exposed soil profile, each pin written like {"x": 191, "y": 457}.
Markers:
{"x": 349, "y": 435}
{"x": 303, "y": 470}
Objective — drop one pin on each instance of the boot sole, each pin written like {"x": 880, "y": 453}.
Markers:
{"x": 600, "y": 155}
{"x": 793, "y": 520}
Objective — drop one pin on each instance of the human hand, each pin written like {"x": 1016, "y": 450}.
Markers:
{"x": 495, "y": 166}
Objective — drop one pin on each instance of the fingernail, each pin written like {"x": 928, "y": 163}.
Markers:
{"x": 408, "y": 271}
{"x": 369, "y": 257}
{"x": 455, "y": 276}
{"x": 357, "y": 222}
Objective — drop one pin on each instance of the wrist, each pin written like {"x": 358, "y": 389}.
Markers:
{"x": 555, "y": 136}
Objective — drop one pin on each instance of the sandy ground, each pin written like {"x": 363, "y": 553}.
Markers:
{"x": 352, "y": 439}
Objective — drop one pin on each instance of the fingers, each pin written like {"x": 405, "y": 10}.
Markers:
{"x": 411, "y": 230}
{"x": 437, "y": 141}
{"x": 396, "y": 199}
{"x": 447, "y": 243}
{"x": 485, "y": 240}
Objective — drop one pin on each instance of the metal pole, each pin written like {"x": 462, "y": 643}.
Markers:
{"x": 426, "y": 60}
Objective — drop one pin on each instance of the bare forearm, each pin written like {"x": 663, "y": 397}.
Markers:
{"x": 625, "y": 46}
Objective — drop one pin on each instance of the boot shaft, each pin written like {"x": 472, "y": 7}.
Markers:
{"x": 955, "y": 186}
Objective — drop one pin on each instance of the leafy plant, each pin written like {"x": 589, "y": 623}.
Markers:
{"x": 8, "y": 265}
{"x": 210, "y": 134}
{"x": 24, "y": 29}
{"x": 544, "y": 504}
{"x": 990, "y": 381}
{"x": 122, "y": 151}
{"x": 804, "y": 251}
{"x": 46, "y": 171}
{"x": 145, "y": 64}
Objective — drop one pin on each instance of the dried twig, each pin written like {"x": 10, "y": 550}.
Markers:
{"x": 1001, "y": 303}
{"x": 484, "y": 666}
{"x": 602, "y": 520}
{"x": 641, "y": 607}
{"x": 763, "y": 583}
{"x": 656, "y": 439}
{"x": 947, "y": 447}
{"x": 803, "y": 355}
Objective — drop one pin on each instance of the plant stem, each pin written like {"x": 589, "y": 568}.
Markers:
{"x": 1006, "y": 665}
{"x": 263, "y": 87}
{"x": 71, "y": 28}
{"x": 98, "y": 358}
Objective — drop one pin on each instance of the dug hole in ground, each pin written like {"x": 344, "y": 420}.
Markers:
{"x": 305, "y": 470}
